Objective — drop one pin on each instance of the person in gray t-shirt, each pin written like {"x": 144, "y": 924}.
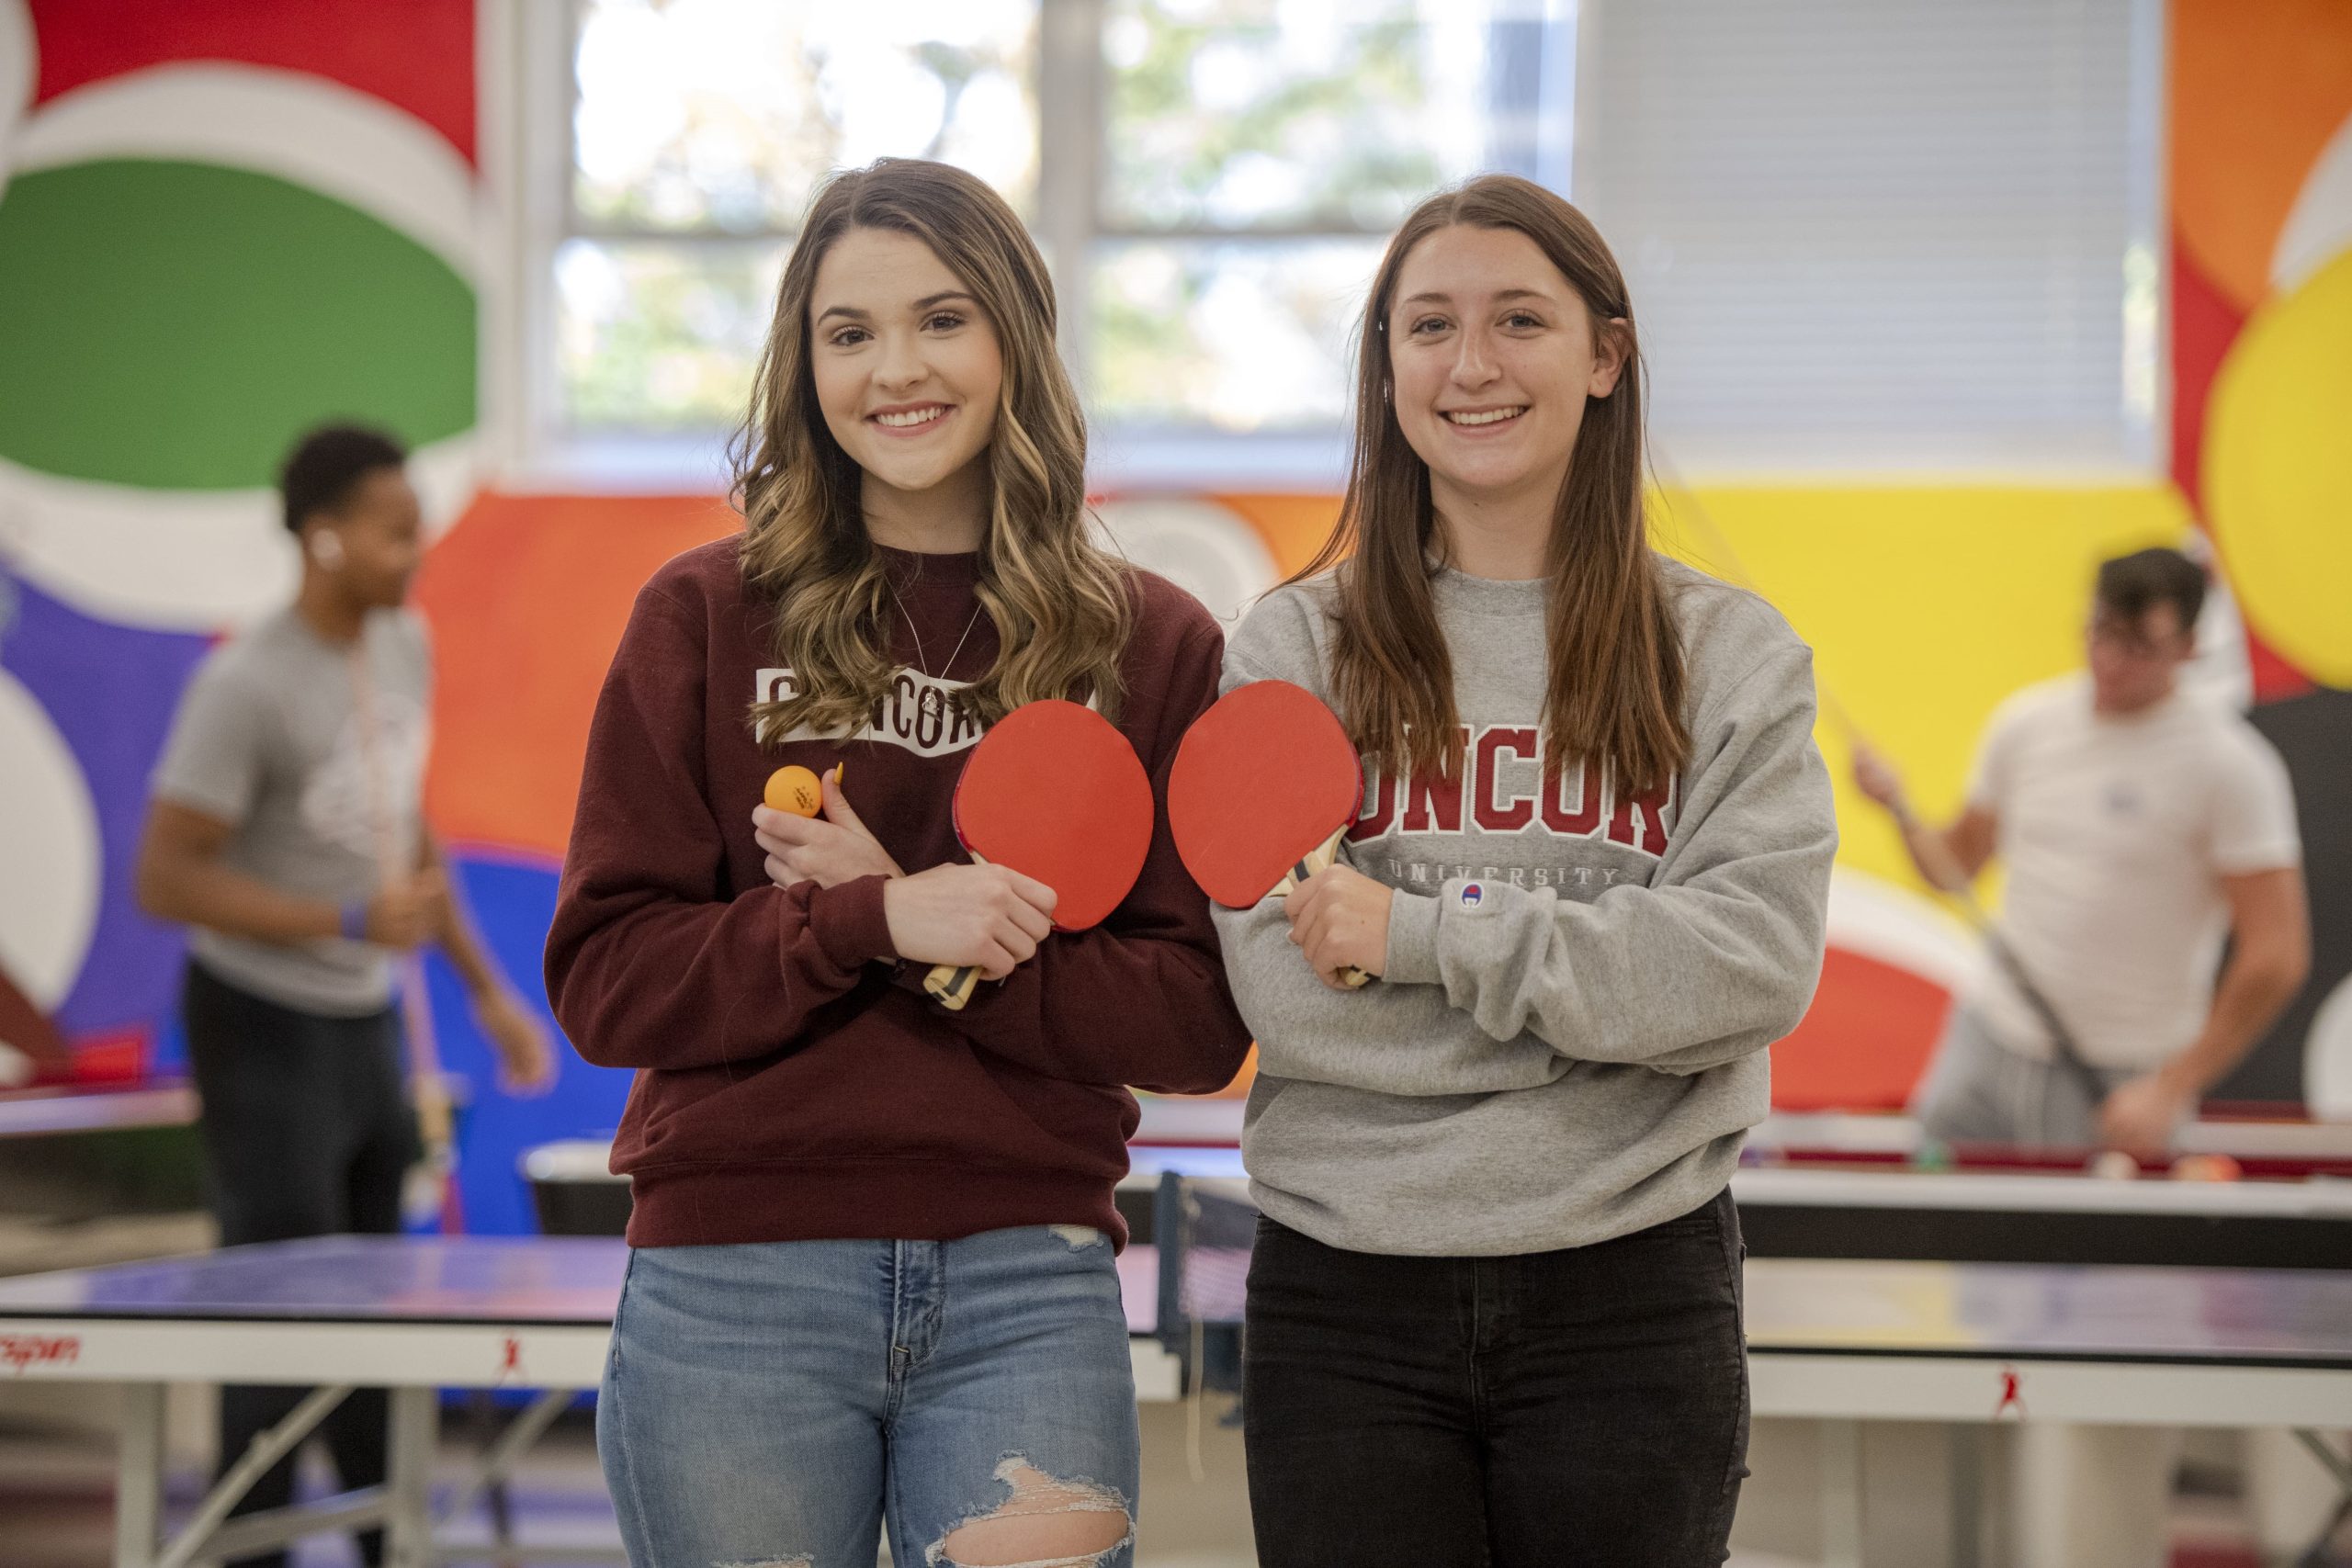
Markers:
{"x": 286, "y": 830}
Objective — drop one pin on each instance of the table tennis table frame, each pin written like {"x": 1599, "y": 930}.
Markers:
{"x": 1845, "y": 1389}
{"x": 1969, "y": 1393}
{"x": 415, "y": 1362}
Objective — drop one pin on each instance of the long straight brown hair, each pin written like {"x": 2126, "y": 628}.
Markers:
{"x": 1615, "y": 677}
{"x": 1062, "y": 606}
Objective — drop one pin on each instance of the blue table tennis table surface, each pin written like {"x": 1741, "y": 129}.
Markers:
{"x": 510, "y": 1280}
{"x": 2218, "y": 1316}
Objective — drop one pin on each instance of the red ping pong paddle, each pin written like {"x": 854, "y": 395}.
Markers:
{"x": 1264, "y": 786}
{"x": 1054, "y": 791}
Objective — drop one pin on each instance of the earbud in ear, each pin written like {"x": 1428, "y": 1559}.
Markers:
{"x": 327, "y": 549}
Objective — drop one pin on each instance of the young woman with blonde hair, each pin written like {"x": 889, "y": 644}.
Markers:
{"x": 1494, "y": 1307}
{"x": 872, "y": 1278}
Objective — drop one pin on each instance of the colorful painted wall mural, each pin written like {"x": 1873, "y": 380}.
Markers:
{"x": 222, "y": 220}
{"x": 2261, "y": 270}
{"x": 221, "y": 223}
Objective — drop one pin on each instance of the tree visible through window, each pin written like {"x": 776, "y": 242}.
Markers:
{"x": 1243, "y": 160}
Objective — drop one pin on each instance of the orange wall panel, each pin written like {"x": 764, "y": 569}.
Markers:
{"x": 1293, "y": 526}
{"x": 2257, "y": 89}
{"x": 527, "y": 596}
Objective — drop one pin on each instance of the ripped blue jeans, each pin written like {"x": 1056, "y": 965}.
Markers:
{"x": 779, "y": 1404}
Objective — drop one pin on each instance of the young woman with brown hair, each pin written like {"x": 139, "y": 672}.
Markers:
{"x": 1494, "y": 1309}
{"x": 872, "y": 1280}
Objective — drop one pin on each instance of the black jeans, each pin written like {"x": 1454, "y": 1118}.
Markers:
{"x": 1584, "y": 1408}
{"x": 307, "y": 1131}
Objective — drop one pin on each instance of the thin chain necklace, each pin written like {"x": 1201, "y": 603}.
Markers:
{"x": 923, "y": 659}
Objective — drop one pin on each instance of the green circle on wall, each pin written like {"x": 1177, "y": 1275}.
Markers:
{"x": 175, "y": 325}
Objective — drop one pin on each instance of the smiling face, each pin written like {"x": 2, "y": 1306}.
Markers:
{"x": 1492, "y": 353}
{"x": 908, "y": 368}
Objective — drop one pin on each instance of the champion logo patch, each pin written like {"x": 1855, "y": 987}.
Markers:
{"x": 1473, "y": 895}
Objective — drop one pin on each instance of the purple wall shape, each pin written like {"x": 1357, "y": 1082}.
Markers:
{"x": 111, "y": 691}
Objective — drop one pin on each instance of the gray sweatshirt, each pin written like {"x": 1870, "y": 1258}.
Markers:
{"x": 1569, "y": 1038}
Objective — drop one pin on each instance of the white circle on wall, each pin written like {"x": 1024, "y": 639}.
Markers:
{"x": 1902, "y": 928}
{"x": 183, "y": 560}
{"x": 2221, "y": 669}
{"x": 1207, "y": 550}
{"x": 336, "y": 141}
{"x": 2328, "y": 1057}
{"x": 2319, "y": 226}
{"x": 446, "y": 475}
{"x": 51, "y": 860}
{"x": 18, "y": 63}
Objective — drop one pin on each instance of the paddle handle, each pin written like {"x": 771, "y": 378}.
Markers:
{"x": 1315, "y": 860}
{"x": 952, "y": 986}
{"x": 949, "y": 985}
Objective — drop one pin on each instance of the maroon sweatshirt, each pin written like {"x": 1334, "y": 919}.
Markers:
{"x": 794, "y": 1082}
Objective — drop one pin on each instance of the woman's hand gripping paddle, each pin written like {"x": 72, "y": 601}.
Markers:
{"x": 1056, "y": 792}
{"x": 1265, "y": 785}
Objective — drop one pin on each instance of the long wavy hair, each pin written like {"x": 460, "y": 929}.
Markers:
{"x": 1614, "y": 658}
{"x": 1062, "y": 606}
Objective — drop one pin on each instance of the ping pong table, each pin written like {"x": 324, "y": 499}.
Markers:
{"x": 1846, "y": 1342}
{"x": 31, "y": 1112}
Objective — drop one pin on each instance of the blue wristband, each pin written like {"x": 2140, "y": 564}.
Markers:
{"x": 355, "y": 921}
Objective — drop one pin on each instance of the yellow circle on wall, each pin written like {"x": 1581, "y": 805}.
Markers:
{"x": 2278, "y": 472}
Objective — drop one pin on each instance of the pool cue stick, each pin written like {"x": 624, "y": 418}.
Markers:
{"x": 428, "y": 1089}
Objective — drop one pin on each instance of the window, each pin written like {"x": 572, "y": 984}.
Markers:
{"x": 1211, "y": 180}
{"x": 700, "y": 128}
{"x": 1901, "y": 237}
{"x": 1255, "y": 157}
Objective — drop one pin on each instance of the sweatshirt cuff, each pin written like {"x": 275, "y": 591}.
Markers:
{"x": 849, "y": 922}
{"x": 1412, "y": 940}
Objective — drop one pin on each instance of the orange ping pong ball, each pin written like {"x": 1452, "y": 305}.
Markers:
{"x": 2206, "y": 1168}
{"x": 795, "y": 789}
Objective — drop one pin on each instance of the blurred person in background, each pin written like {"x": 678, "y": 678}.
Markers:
{"x": 2140, "y": 823}
{"x": 286, "y": 829}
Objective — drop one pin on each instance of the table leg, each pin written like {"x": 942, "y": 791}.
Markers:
{"x": 266, "y": 1450}
{"x": 488, "y": 1478}
{"x": 1967, "y": 1491}
{"x": 408, "y": 1532}
{"x": 2318, "y": 1554}
{"x": 138, "y": 1478}
{"x": 1841, "y": 1494}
